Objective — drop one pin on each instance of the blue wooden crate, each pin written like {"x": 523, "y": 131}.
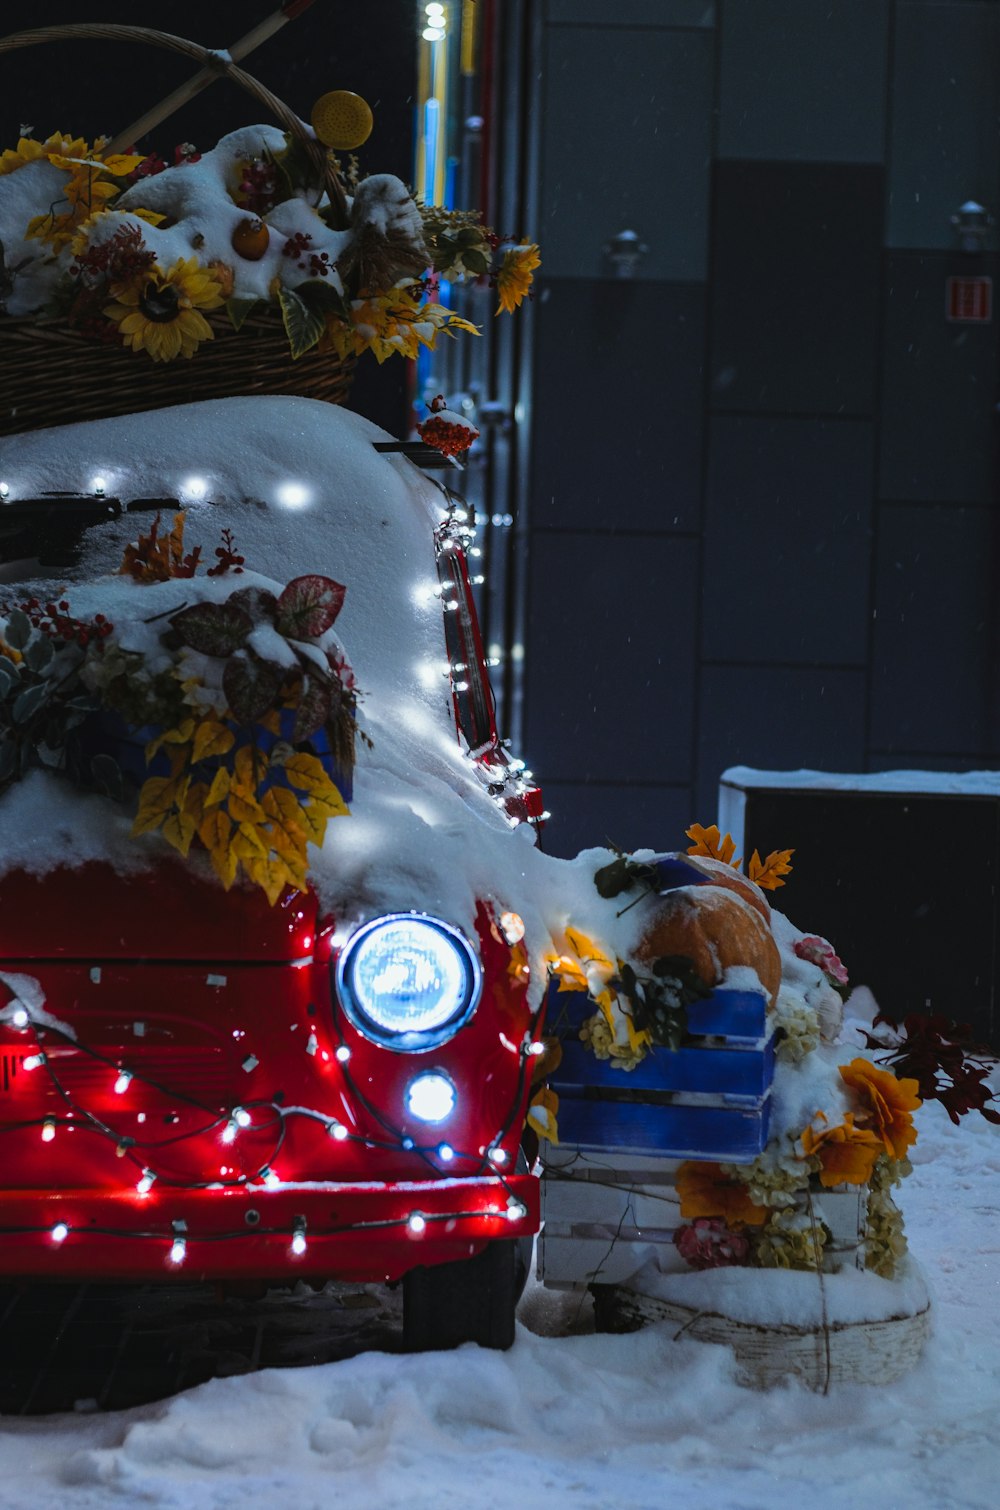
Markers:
{"x": 709, "y": 1099}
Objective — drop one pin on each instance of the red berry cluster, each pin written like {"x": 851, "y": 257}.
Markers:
{"x": 228, "y": 560}
{"x": 55, "y": 621}
{"x": 186, "y": 152}
{"x": 257, "y": 189}
{"x": 123, "y": 258}
{"x": 299, "y": 248}
{"x": 448, "y": 438}
{"x": 147, "y": 168}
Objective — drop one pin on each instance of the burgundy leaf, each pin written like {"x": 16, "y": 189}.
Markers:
{"x": 213, "y": 628}
{"x": 313, "y": 710}
{"x": 261, "y": 605}
{"x": 251, "y": 686}
{"x": 308, "y": 606}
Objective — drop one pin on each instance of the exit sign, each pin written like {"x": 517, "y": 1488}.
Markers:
{"x": 969, "y": 300}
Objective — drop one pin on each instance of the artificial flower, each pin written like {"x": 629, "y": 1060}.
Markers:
{"x": 392, "y": 324}
{"x": 708, "y": 1243}
{"x": 790, "y": 1240}
{"x": 887, "y": 1103}
{"x": 161, "y": 315}
{"x": 819, "y": 952}
{"x": 514, "y": 276}
{"x": 706, "y": 1189}
{"x": 846, "y": 1153}
{"x": 87, "y": 191}
{"x": 28, "y": 150}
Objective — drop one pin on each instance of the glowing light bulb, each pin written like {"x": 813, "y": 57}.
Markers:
{"x": 195, "y": 487}
{"x": 416, "y": 1223}
{"x": 48, "y": 1130}
{"x": 446, "y": 1153}
{"x": 241, "y": 1117}
{"x": 4, "y": 489}
{"x": 337, "y": 1131}
{"x": 229, "y": 1132}
{"x": 32, "y": 1062}
{"x": 516, "y": 1210}
{"x": 342, "y": 1054}
{"x": 145, "y": 1184}
{"x": 178, "y": 1250}
{"x": 123, "y": 1082}
{"x": 299, "y": 1236}
{"x": 20, "y": 1018}
{"x": 98, "y": 484}
{"x": 535, "y": 1049}
{"x": 60, "y": 1232}
{"x": 498, "y": 1156}
{"x": 271, "y": 1179}
{"x": 292, "y": 495}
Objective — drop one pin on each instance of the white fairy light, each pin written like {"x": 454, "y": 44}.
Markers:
{"x": 178, "y": 1250}
{"x": 299, "y": 1236}
{"x": 337, "y": 1131}
{"x": 123, "y": 1082}
{"x": 48, "y": 1130}
{"x": 498, "y": 1156}
{"x": 59, "y": 1233}
{"x": 4, "y": 489}
{"x": 241, "y": 1117}
{"x": 20, "y": 1018}
{"x": 516, "y": 1210}
{"x": 292, "y": 495}
{"x": 194, "y": 487}
{"x": 417, "y": 1223}
{"x": 229, "y": 1132}
{"x": 98, "y": 485}
{"x": 342, "y": 1054}
{"x": 446, "y": 1153}
{"x": 145, "y": 1184}
{"x": 33, "y": 1062}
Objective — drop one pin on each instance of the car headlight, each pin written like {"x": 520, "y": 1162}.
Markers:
{"x": 408, "y": 981}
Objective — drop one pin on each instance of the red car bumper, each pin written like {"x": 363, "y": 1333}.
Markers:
{"x": 354, "y": 1232}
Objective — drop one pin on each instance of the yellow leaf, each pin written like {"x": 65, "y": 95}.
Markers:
{"x": 313, "y": 820}
{"x": 307, "y": 773}
{"x": 120, "y": 163}
{"x": 271, "y": 721}
{"x": 247, "y": 843}
{"x": 589, "y": 952}
{"x": 332, "y": 804}
{"x": 542, "y": 1114}
{"x": 243, "y": 806}
{"x": 179, "y": 830}
{"x": 158, "y": 797}
{"x": 215, "y": 831}
{"x": 571, "y": 976}
{"x": 211, "y": 737}
{"x": 225, "y": 864}
{"x": 287, "y": 834}
{"x": 219, "y": 789}
{"x": 767, "y": 873}
{"x": 181, "y": 735}
{"x": 271, "y": 875}
{"x": 194, "y": 802}
{"x": 248, "y": 767}
{"x": 708, "y": 841}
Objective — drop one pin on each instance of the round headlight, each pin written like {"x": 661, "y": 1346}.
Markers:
{"x": 408, "y": 981}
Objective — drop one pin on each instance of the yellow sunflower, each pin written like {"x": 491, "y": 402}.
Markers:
{"x": 28, "y": 150}
{"x": 514, "y": 277}
{"x": 160, "y": 312}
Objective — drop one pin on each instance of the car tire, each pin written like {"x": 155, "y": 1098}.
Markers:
{"x": 469, "y": 1300}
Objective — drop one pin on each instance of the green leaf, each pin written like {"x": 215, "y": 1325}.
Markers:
{"x": 29, "y": 702}
{"x": 8, "y": 676}
{"x": 303, "y": 326}
{"x": 475, "y": 261}
{"x": 38, "y": 653}
{"x": 238, "y": 309}
{"x": 107, "y": 774}
{"x": 18, "y": 630}
{"x": 322, "y": 297}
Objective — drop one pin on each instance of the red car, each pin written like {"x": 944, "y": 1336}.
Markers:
{"x": 209, "y": 1083}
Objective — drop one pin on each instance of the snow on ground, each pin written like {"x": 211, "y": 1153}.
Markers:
{"x": 579, "y": 1420}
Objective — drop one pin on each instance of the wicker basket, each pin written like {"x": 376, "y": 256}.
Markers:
{"x": 50, "y": 375}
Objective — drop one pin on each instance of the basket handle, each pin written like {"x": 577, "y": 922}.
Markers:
{"x": 219, "y": 63}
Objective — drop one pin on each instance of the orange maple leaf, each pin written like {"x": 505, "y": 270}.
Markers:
{"x": 708, "y": 841}
{"x": 767, "y": 873}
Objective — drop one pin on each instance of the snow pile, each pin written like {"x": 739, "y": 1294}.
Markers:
{"x": 579, "y": 1421}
